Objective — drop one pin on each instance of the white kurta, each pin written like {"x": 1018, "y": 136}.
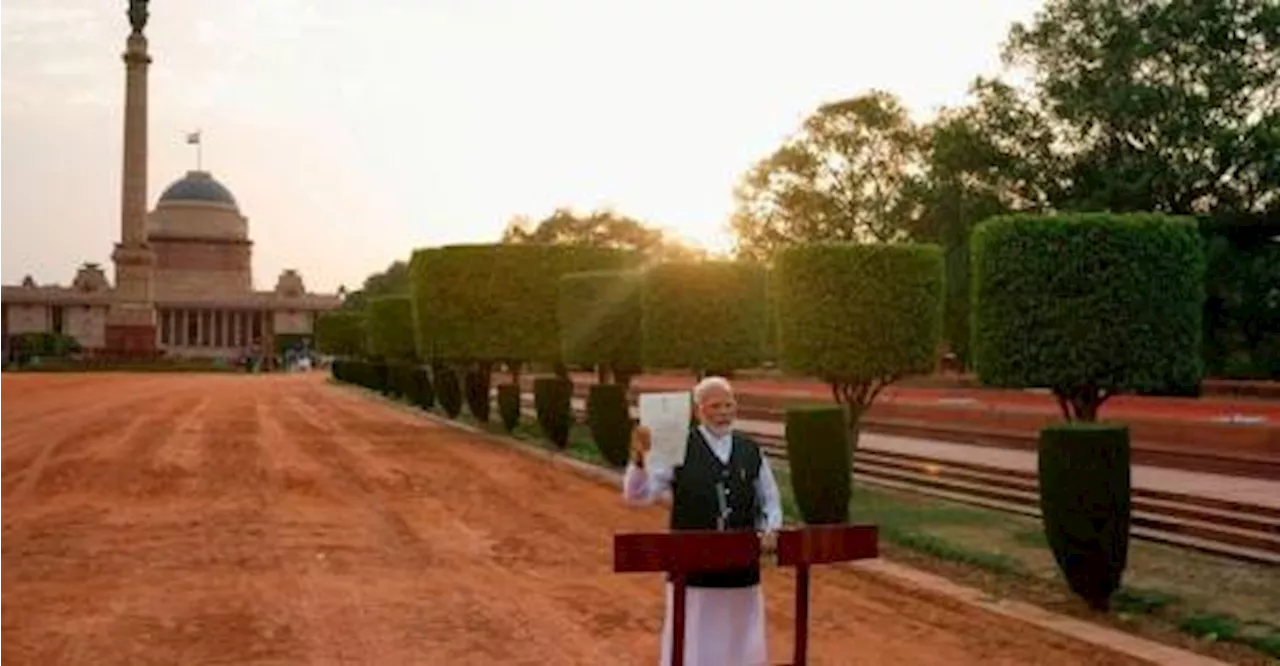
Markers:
{"x": 723, "y": 626}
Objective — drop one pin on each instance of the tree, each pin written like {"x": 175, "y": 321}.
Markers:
{"x": 1168, "y": 106}
{"x": 841, "y": 178}
{"x": 601, "y": 228}
{"x": 394, "y": 281}
{"x": 991, "y": 157}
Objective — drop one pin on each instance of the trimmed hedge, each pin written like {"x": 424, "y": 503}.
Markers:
{"x": 475, "y": 384}
{"x": 710, "y": 316}
{"x": 1088, "y": 304}
{"x": 341, "y": 333}
{"x": 497, "y": 302}
{"x": 859, "y": 315}
{"x": 821, "y": 465}
{"x": 390, "y": 327}
{"x": 1085, "y": 503}
{"x": 448, "y": 389}
{"x": 509, "y": 405}
{"x": 599, "y": 318}
{"x": 609, "y": 417}
{"x": 552, "y": 398}
{"x": 421, "y": 391}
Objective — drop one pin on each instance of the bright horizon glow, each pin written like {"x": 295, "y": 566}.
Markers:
{"x": 353, "y": 132}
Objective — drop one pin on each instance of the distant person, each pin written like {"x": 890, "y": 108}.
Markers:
{"x": 724, "y": 483}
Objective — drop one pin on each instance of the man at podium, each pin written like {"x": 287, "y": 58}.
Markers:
{"x": 724, "y": 483}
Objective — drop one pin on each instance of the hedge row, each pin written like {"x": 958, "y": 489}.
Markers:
{"x": 497, "y": 302}
{"x": 341, "y": 333}
{"x": 389, "y": 326}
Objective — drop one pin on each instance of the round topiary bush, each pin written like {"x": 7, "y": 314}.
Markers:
{"x": 552, "y": 399}
{"x": 609, "y": 417}
{"x": 1085, "y": 503}
{"x": 821, "y": 465}
{"x": 509, "y": 405}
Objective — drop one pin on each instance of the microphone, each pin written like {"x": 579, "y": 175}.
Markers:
{"x": 724, "y": 506}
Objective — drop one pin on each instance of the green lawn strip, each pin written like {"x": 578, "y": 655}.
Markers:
{"x": 1199, "y": 595}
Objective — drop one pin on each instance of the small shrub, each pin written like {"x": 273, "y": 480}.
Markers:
{"x": 509, "y": 405}
{"x": 421, "y": 391}
{"x": 552, "y": 399}
{"x": 609, "y": 418}
{"x": 821, "y": 467}
{"x": 448, "y": 390}
{"x": 1085, "y": 504}
{"x": 476, "y": 387}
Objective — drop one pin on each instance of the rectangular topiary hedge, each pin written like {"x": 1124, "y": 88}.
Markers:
{"x": 497, "y": 302}
{"x": 707, "y": 316}
{"x": 599, "y": 318}
{"x": 341, "y": 333}
{"x": 390, "y": 327}
{"x": 1088, "y": 305}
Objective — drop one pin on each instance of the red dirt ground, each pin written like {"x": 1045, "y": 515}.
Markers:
{"x": 164, "y": 519}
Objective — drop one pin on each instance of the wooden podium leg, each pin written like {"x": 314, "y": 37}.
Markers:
{"x": 802, "y": 615}
{"x": 677, "y": 620}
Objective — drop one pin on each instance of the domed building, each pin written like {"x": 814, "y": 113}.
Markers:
{"x": 205, "y": 303}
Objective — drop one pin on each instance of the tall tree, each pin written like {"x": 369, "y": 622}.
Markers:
{"x": 394, "y": 281}
{"x": 601, "y": 228}
{"x": 1169, "y": 105}
{"x": 841, "y": 177}
{"x": 991, "y": 157}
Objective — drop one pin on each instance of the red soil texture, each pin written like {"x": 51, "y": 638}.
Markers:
{"x": 175, "y": 519}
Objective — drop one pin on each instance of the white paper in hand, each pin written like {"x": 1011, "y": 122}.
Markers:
{"x": 667, "y": 415}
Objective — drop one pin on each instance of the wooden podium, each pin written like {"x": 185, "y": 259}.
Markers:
{"x": 685, "y": 552}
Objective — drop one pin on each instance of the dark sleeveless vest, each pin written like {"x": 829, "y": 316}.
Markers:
{"x": 696, "y": 505}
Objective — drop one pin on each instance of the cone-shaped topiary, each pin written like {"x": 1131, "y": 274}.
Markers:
{"x": 609, "y": 417}
{"x": 1084, "y": 501}
{"x": 821, "y": 469}
{"x": 448, "y": 390}
{"x": 422, "y": 393}
{"x": 476, "y": 386}
{"x": 509, "y": 405}
{"x": 552, "y": 398}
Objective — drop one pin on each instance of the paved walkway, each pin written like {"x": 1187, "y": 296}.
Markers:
{"x": 1259, "y": 492}
{"x": 1214, "y": 409}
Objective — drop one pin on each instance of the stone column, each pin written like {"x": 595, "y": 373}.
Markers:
{"x": 131, "y": 321}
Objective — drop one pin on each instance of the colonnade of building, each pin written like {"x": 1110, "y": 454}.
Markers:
{"x": 197, "y": 327}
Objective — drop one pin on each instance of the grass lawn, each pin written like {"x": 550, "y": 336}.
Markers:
{"x": 1228, "y": 608}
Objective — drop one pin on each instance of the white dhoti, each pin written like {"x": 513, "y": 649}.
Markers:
{"x": 723, "y": 627}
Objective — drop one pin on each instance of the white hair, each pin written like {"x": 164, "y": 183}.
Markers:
{"x": 708, "y": 384}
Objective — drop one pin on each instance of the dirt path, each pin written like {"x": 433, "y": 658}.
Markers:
{"x": 276, "y": 519}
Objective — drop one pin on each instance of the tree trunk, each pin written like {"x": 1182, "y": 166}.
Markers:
{"x": 602, "y": 373}
{"x": 561, "y": 370}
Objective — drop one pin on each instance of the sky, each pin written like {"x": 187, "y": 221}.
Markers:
{"x": 352, "y": 132}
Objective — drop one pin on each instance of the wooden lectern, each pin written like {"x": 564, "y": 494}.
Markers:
{"x": 685, "y": 552}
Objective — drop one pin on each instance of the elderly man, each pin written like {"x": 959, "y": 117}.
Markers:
{"x": 724, "y": 483}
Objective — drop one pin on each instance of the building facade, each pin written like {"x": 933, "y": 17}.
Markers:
{"x": 205, "y": 303}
